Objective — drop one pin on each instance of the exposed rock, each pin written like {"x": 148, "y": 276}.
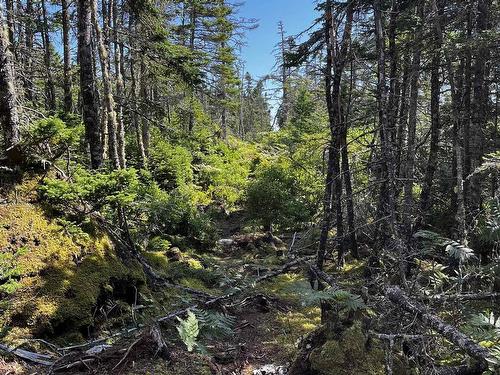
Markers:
{"x": 270, "y": 370}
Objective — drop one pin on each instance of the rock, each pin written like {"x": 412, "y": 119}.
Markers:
{"x": 97, "y": 349}
{"x": 174, "y": 254}
{"x": 225, "y": 242}
{"x": 270, "y": 370}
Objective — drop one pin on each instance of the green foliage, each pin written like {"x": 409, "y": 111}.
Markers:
{"x": 214, "y": 325}
{"x": 452, "y": 248}
{"x": 97, "y": 189}
{"x": 170, "y": 165}
{"x": 485, "y": 328}
{"x": 275, "y": 197}
{"x": 188, "y": 330}
{"x": 223, "y": 172}
{"x": 11, "y": 270}
{"x": 344, "y": 300}
{"x": 50, "y": 138}
{"x": 176, "y": 213}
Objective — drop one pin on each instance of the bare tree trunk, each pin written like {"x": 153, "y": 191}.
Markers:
{"x": 66, "y": 28}
{"x": 108, "y": 94}
{"x": 120, "y": 86}
{"x": 9, "y": 117}
{"x": 135, "y": 89}
{"x": 403, "y": 119}
{"x": 50, "y": 90}
{"x": 412, "y": 126}
{"x": 346, "y": 172}
{"x": 10, "y": 21}
{"x": 387, "y": 201}
{"x": 28, "y": 74}
{"x": 145, "y": 97}
{"x": 425, "y": 196}
{"x": 88, "y": 89}
{"x": 480, "y": 105}
{"x": 333, "y": 75}
{"x": 192, "y": 40}
{"x": 466, "y": 107}
{"x": 284, "y": 79}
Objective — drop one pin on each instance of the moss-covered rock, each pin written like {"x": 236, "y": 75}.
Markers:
{"x": 348, "y": 355}
{"x": 56, "y": 280}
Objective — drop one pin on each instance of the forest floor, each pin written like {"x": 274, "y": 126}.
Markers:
{"x": 269, "y": 318}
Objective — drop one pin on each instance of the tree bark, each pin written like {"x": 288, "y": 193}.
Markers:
{"x": 387, "y": 201}
{"x": 66, "y": 28}
{"x": 108, "y": 94}
{"x": 412, "y": 126}
{"x": 120, "y": 85}
{"x": 9, "y": 116}
{"x": 480, "y": 104}
{"x": 50, "y": 89}
{"x": 135, "y": 89}
{"x": 29, "y": 35}
{"x": 432, "y": 162}
{"x": 88, "y": 89}
{"x": 333, "y": 76}
{"x": 452, "y": 334}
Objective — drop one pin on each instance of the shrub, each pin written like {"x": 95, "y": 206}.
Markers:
{"x": 274, "y": 197}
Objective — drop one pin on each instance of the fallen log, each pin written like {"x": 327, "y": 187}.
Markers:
{"x": 476, "y": 369}
{"x": 463, "y": 297}
{"x": 451, "y": 333}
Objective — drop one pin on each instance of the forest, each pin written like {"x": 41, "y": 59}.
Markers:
{"x": 165, "y": 211}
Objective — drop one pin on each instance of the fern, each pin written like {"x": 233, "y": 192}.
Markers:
{"x": 453, "y": 249}
{"x": 215, "y": 325}
{"x": 343, "y": 299}
{"x": 189, "y": 330}
{"x": 459, "y": 252}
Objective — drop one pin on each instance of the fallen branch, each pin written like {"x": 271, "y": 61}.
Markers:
{"x": 452, "y": 334}
{"x": 126, "y": 353}
{"x": 41, "y": 359}
{"x": 323, "y": 276}
{"x": 396, "y": 336}
{"x": 463, "y": 297}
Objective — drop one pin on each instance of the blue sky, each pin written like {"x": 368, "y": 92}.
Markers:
{"x": 296, "y": 15}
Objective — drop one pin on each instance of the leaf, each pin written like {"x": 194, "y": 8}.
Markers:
{"x": 189, "y": 330}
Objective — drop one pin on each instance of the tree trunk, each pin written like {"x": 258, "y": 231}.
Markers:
{"x": 108, "y": 94}
{"x": 333, "y": 75}
{"x": 480, "y": 105}
{"x": 66, "y": 29}
{"x": 50, "y": 89}
{"x": 387, "y": 201}
{"x": 29, "y": 35}
{"x": 120, "y": 86}
{"x": 10, "y": 22}
{"x": 284, "y": 80}
{"x": 412, "y": 126}
{"x": 432, "y": 162}
{"x": 88, "y": 89}
{"x": 403, "y": 119}
{"x": 346, "y": 172}
{"x": 135, "y": 97}
{"x": 9, "y": 116}
{"x": 145, "y": 97}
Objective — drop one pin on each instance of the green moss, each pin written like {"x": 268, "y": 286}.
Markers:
{"x": 156, "y": 259}
{"x": 60, "y": 280}
{"x": 282, "y": 286}
{"x": 348, "y": 355}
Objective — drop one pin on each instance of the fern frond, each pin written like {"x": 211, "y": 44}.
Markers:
{"x": 188, "y": 330}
